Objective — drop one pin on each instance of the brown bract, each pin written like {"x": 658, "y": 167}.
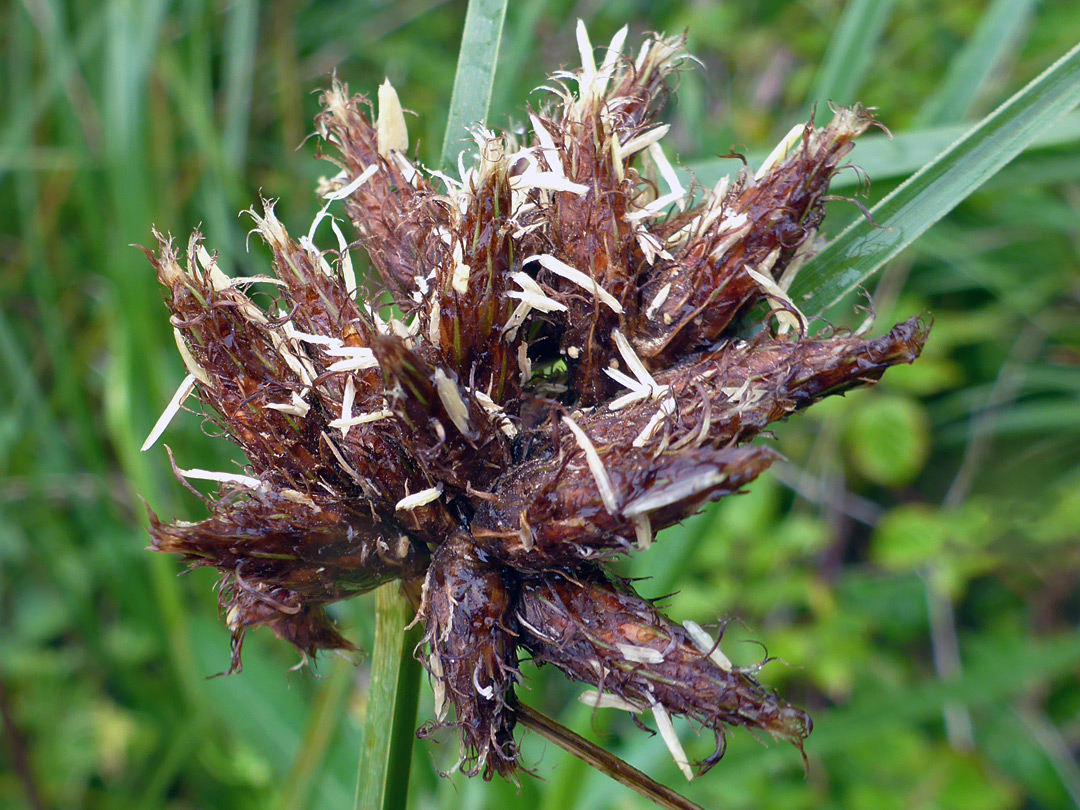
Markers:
{"x": 581, "y": 353}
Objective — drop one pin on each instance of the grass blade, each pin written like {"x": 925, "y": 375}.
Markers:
{"x": 242, "y": 31}
{"x": 939, "y": 187}
{"x": 475, "y": 72}
{"x": 382, "y": 778}
{"x": 850, "y": 51}
{"x": 999, "y": 32}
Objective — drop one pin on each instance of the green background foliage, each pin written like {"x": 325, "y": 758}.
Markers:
{"x": 915, "y": 562}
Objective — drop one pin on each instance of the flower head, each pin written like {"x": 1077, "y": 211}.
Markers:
{"x": 566, "y": 370}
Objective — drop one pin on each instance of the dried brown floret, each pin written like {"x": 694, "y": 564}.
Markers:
{"x": 598, "y": 631}
{"x": 760, "y": 225}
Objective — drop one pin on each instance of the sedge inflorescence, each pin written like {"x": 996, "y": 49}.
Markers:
{"x": 566, "y": 368}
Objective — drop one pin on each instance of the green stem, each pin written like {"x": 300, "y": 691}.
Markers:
{"x": 382, "y": 778}
{"x": 475, "y": 73}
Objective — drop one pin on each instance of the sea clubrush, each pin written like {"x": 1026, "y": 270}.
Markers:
{"x": 580, "y": 353}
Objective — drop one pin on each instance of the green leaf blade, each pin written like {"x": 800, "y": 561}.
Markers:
{"x": 475, "y": 75}
{"x": 999, "y": 33}
{"x": 851, "y": 51}
{"x": 926, "y": 197}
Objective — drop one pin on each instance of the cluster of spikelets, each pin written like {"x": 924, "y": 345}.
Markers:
{"x": 559, "y": 377}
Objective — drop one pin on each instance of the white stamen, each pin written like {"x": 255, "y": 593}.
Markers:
{"x": 633, "y": 362}
{"x": 348, "y": 275}
{"x": 438, "y": 685}
{"x": 671, "y": 740}
{"x": 218, "y": 280}
{"x": 435, "y": 323}
{"x": 643, "y": 532}
{"x": 596, "y": 466}
{"x": 317, "y": 340}
{"x": 588, "y": 62}
{"x": 602, "y": 700}
{"x": 719, "y": 192}
{"x": 729, "y": 239}
{"x": 408, "y": 172}
{"x": 732, "y": 223}
{"x": 655, "y": 208}
{"x": 618, "y": 159}
{"x": 485, "y": 691}
{"x": 642, "y": 55}
{"x": 667, "y": 171}
{"x": 651, "y": 246}
{"x": 534, "y": 630}
{"x": 497, "y": 414}
{"x": 658, "y": 300}
{"x": 626, "y": 380}
{"x": 417, "y": 499}
{"x": 680, "y": 489}
{"x": 347, "y": 399}
{"x": 182, "y": 393}
{"x": 614, "y": 51}
{"x": 782, "y": 306}
{"x": 705, "y": 644}
{"x": 639, "y": 143}
{"x": 524, "y": 363}
{"x": 640, "y": 655}
{"x": 548, "y": 181}
{"x": 451, "y": 399}
{"x": 626, "y": 399}
{"x": 357, "y": 358}
{"x": 297, "y": 407}
{"x": 460, "y": 280}
{"x": 362, "y": 419}
{"x": 587, "y": 283}
{"x": 667, "y": 407}
{"x": 403, "y": 330}
{"x": 193, "y": 367}
{"x": 299, "y": 497}
{"x": 534, "y": 295}
{"x": 222, "y": 477}
{"x": 299, "y": 365}
{"x": 547, "y": 146}
{"x": 391, "y": 132}
{"x": 353, "y": 185}
{"x": 780, "y": 151}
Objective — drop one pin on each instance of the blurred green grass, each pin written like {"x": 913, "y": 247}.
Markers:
{"x": 917, "y": 560}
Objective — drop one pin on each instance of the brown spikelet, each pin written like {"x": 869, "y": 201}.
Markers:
{"x": 467, "y": 610}
{"x": 599, "y": 632}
